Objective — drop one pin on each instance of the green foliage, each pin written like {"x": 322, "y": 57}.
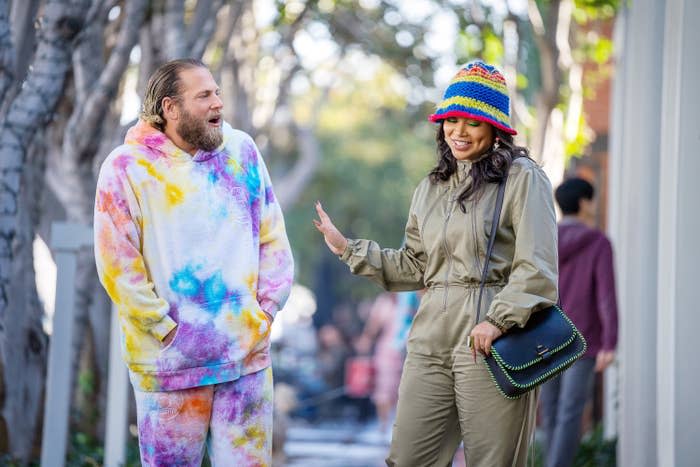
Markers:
{"x": 596, "y": 451}
{"x": 8, "y": 461}
{"x": 84, "y": 451}
{"x": 86, "y": 381}
{"x": 578, "y": 144}
{"x": 493, "y": 46}
{"x": 602, "y": 50}
{"x": 586, "y": 10}
{"x": 373, "y": 158}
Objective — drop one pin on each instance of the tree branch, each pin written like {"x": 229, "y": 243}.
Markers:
{"x": 7, "y": 57}
{"x": 232, "y": 19}
{"x": 88, "y": 58}
{"x": 175, "y": 42}
{"x": 203, "y": 26}
{"x": 22, "y": 20}
{"x": 295, "y": 180}
{"x": 86, "y": 121}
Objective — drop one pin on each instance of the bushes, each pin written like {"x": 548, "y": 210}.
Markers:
{"x": 594, "y": 451}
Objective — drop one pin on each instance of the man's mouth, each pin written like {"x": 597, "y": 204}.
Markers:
{"x": 216, "y": 121}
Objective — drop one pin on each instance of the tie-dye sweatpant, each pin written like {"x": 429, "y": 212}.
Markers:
{"x": 233, "y": 420}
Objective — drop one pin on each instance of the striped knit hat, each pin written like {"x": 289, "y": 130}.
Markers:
{"x": 478, "y": 91}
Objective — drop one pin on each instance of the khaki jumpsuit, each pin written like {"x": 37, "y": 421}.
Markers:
{"x": 444, "y": 397}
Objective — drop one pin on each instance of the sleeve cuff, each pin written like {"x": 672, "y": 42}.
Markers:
{"x": 163, "y": 327}
{"x": 269, "y": 307}
{"x": 502, "y": 326}
{"x": 348, "y": 251}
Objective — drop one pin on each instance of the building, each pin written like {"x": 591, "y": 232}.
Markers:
{"x": 654, "y": 220}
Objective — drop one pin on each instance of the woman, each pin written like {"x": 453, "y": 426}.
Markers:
{"x": 446, "y": 393}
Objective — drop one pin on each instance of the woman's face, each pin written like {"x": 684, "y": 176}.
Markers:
{"x": 467, "y": 138}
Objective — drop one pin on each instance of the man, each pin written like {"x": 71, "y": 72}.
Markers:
{"x": 190, "y": 244}
{"x": 587, "y": 293}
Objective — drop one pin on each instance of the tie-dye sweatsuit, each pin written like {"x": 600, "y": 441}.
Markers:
{"x": 196, "y": 243}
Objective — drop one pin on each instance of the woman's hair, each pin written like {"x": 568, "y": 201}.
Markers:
{"x": 492, "y": 168}
{"x": 164, "y": 82}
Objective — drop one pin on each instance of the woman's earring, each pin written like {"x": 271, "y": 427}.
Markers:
{"x": 496, "y": 144}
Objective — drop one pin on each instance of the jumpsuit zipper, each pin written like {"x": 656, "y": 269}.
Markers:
{"x": 447, "y": 251}
{"x": 430, "y": 211}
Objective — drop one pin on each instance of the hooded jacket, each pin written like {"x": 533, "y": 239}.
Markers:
{"x": 445, "y": 249}
{"x": 195, "y": 243}
{"x": 587, "y": 284}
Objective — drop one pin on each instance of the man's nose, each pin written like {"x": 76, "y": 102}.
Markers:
{"x": 218, "y": 102}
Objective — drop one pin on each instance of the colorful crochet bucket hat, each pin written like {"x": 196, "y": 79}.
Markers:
{"x": 479, "y": 92}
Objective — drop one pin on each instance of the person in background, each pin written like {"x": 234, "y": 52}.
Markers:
{"x": 190, "y": 245}
{"x": 587, "y": 294}
{"x": 386, "y": 330}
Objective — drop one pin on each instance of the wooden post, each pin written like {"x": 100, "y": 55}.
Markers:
{"x": 117, "y": 400}
{"x": 66, "y": 240}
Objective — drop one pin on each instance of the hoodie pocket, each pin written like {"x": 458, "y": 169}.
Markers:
{"x": 164, "y": 348}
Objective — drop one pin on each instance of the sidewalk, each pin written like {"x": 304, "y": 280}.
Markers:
{"x": 339, "y": 444}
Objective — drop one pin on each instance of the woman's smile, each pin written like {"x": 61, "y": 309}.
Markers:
{"x": 467, "y": 138}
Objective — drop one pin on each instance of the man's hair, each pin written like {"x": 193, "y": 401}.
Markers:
{"x": 164, "y": 82}
{"x": 570, "y": 193}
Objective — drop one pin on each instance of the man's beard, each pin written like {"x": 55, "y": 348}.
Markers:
{"x": 198, "y": 133}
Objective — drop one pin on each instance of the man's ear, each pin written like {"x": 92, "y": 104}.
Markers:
{"x": 171, "y": 109}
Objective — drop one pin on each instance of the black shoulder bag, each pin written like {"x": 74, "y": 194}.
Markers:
{"x": 523, "y": 358}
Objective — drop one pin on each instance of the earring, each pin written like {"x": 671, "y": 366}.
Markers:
{"x": 496, "y": 144}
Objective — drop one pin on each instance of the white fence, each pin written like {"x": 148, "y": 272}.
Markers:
{"x": 66, "y": 240}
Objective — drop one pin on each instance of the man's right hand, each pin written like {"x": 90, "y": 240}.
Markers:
{"x": 169, "y": 337}
{"x": 604, "y": 359}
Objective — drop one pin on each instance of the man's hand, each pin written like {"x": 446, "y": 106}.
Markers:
{"x": 482, "y": 336}
{"x": 169, "y": 337}
{"x": 334, "y": 239}
{"x": 604, "y": 359}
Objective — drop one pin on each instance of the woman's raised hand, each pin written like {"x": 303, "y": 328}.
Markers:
{"x": 334, "y": 239}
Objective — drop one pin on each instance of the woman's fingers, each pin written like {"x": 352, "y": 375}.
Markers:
{"x": 322, "y": 214}
{"x": 483, "y": 336}
{"x": 333, "y": 237}
{"x": 486, "y": 347}
{"x": 324, "y": 222}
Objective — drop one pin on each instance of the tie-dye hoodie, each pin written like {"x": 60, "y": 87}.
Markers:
{"x": 193, "y": 242}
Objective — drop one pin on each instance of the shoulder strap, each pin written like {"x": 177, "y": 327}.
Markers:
{"x": 492, "y": 239}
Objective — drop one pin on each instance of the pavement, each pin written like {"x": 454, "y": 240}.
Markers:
{"x": 335, "y": 444}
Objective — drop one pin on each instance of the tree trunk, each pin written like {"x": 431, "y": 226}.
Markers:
{"x": 76, "y": 137}
{"x": 22, "y": 342}
{"x": 551, "y": 26}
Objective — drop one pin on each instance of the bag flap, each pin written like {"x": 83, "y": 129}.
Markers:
{"x": 547, "y": 331}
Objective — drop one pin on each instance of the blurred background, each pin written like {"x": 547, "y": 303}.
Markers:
{"x": 336, "y": 94}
